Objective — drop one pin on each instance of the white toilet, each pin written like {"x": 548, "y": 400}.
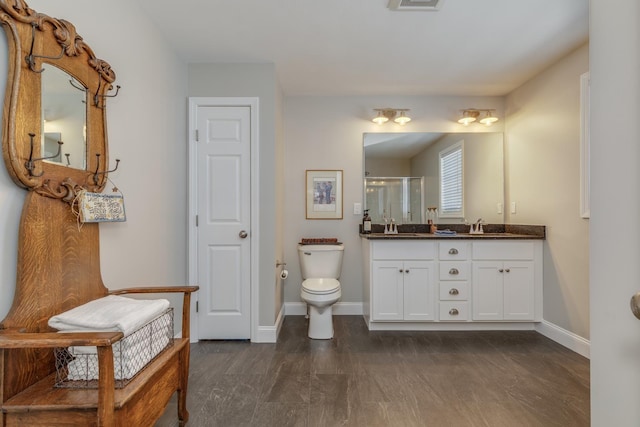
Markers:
{"x": 320, "y": 266}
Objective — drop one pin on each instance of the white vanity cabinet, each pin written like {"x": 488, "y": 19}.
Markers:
{"x": 431, "y": 284}
{"x": 403, "y": 281}
{"x": 505, "y": 275}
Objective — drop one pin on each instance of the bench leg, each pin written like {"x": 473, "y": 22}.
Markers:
{"x": 183, "y": 413}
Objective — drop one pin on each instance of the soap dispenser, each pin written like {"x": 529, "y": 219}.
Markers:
{"x": 366, "y": 222}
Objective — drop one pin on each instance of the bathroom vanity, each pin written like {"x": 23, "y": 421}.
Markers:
{"x": 420, "y": 281}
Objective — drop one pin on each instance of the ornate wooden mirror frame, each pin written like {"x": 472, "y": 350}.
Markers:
{"x": 36, "y": 40}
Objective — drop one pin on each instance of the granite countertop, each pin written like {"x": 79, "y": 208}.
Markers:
{"x": 491, "y": 232}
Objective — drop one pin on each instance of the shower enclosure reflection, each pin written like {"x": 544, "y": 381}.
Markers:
{"x": 397, "y": 198}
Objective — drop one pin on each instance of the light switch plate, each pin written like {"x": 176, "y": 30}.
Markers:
{"x": 513, "y": 207}
{"x": 499, "y": 208}
{"x": 357, "y": 208}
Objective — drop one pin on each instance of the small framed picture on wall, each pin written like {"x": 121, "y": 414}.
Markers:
{"x": 324, "y": 194}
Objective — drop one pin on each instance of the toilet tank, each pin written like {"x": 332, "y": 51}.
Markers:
{"x": 320, "y": 261}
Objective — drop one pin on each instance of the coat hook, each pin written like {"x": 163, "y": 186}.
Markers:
{"x": 96, "y": 174}
{"x": 97, "y": 96}
{"x": 31, "y": 163}
{"x": 76, "y": 85}
{"x": 67, "y": 156}
{"x": 31, "y": 58}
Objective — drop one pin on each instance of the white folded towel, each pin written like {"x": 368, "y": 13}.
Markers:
{"x": 111, "y": 313}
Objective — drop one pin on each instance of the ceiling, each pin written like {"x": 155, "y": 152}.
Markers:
{"x": 360, "y": 47}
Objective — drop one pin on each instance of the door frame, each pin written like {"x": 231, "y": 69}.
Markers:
{"x": 192, "y": 246}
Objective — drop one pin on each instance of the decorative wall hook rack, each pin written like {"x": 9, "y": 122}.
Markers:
{"x": 31, "y": 163}
{"x": 31, "y": 58}
{"x": 96, "y": 174}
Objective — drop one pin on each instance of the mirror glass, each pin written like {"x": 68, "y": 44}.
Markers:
{"x": 402, "y": 175}
{"x": 64, "y": 106}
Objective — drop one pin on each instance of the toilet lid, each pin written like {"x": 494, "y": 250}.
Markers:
{"x": 320, "y": 286}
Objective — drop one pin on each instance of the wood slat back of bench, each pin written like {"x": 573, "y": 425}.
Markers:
{"x": 58, "y": 269}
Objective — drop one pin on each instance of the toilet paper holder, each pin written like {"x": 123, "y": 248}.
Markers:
{"x": 284, "y": 273}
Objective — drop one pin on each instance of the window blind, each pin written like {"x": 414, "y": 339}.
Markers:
{"x": 451, "y": 182}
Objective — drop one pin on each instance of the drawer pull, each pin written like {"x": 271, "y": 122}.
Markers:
{"x": 453, "y": 291}
{"x": 454, "y": 312}
{"x": 454, "y": 271}
{"x": 453, "y": 251}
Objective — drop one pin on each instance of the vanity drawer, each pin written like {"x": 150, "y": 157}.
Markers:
{"x": 503, "y": 250}
{"x": 454, "y": 291}
{"x": 453, "y": 250}
{"x": 403, "y": 249}
{"x": 454, "y": 270}
{"x": 454, "y": 310}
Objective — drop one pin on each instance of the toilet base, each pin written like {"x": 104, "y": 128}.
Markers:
{"x": 320, "y": 322}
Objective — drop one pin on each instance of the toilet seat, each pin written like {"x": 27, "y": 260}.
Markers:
{"x": 320, "y": 286}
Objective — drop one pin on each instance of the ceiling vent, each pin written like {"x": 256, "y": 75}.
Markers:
{"x": 415, "y": 5}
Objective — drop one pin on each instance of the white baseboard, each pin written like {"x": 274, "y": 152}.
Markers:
{"x": 566, "y": 338}
{"x": 269, "y": 334}
{"x": 339, "y": 308}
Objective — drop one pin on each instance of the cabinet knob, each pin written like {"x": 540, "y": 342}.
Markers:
{"x": 454, "y": 271}
{"x": 401, "y": 271}
{"x": 406, "y": 271}
{"x": 453, "y": 251}
{"x": 507, "y": 270}
{"x": 453, "y": 291}
{"x": 453, "y": 312}
{"x": 501, "y": 270}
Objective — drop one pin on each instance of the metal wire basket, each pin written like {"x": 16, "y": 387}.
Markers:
{"x": 77, "y": 367}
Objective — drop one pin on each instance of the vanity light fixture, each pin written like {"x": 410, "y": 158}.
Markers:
{"x": 398, "y": 115}
{"x": 470, "y": 115}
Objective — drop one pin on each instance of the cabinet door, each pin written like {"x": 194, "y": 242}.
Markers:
{"x": 518, "y": 290}
{"x": 419, "y": 290}
{"x": 487, "y": 286}
{"x": 387, "y": 294}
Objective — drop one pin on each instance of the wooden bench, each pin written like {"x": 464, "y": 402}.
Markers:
{"x": 59, "y": 269}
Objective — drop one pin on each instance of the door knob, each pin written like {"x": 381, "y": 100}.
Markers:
{"x": 243, "y": 234}
{"x": 635, "y": 305}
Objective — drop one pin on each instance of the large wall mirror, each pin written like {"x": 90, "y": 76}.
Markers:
{"x": 56, "y": 92}
{"x": 403, "y": 174}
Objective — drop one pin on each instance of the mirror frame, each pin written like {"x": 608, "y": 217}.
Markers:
{"x": 33, "y": 39}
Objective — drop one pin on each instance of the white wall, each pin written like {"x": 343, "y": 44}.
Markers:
{"x": 615, "y": 209}
{"x": 326, "y": 133}
{"x": 147, "y": 131}
{"x": 542, "y": 135}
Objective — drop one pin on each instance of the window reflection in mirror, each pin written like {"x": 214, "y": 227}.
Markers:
{"x": 63, "y": 117}
{"x": 417, "y": 155}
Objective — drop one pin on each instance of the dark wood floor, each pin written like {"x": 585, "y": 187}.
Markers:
{"x": 363, "y": 378}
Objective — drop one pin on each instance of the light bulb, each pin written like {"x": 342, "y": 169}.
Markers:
{"x": 402, "y": 119}
{"x": 380, "y": 118}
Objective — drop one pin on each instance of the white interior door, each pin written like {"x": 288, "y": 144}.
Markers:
{"x": 224, "y": 219}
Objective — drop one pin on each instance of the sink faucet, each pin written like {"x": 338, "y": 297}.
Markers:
{"x": 478, "y": 227}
